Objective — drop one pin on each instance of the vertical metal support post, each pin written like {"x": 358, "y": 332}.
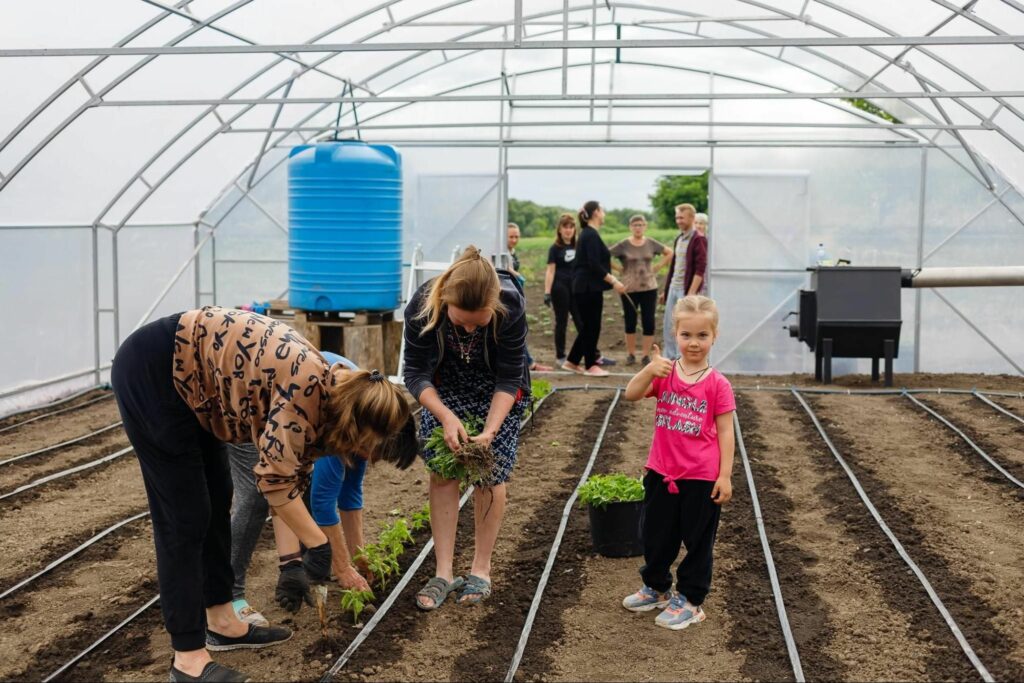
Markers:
{"x": 565, "y": 52}
{"x": 500, "y": 245}
{"x": 213, "y": 267}
{"x": 518, "y": 34}
{"x": 817, "y": 363}
{"x": 890, "y": 352}
{"x": 826, "y": 361}
{"x": 115, "y": 277}
{"x": 921, "y": 199}
{"x": 196, "y": 263}
{"x": 593, "y": 57}
{"x": 96, "y": 303}
{"x": 711, "y": 185}
{"x": 874, "y": 368}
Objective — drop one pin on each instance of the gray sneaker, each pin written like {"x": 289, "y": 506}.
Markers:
{"x": 212, "y": 673}
{"x": 646, "y": 599}
{"x": 630, "y": 359}
{"x": 255, "y": 638}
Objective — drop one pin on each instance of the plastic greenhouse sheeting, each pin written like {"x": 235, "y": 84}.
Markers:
{"x": 142, "y": 145}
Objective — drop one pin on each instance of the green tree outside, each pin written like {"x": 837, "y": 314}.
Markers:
{"x": 671, "y": 190}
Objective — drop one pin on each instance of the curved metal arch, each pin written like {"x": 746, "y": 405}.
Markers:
{"x": 645, "y": 7}
{"x": 82, "y": 73}
{"x": 81, "y": 109}
{"x": 151, "y": 189}
{"x": 404, "y": 60}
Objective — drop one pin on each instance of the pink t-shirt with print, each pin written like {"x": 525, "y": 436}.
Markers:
{"x": 685, "y": 442}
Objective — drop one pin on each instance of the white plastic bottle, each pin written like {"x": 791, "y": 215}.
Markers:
{"x": 821, "y": 256}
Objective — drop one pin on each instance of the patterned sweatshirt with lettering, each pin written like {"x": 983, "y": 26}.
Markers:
{"x": 250, "y": 378}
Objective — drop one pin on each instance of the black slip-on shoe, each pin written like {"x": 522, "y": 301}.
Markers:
{"x": 212, "y": 673}
{"x": 257, "y": 637}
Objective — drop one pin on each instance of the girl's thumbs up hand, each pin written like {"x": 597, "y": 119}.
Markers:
{"x": 659, "y": 365}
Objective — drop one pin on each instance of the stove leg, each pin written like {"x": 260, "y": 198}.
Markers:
{"x": 890, "y": 351}
{"x": 826, "y": 361}
{"x": 817, "y": 363}
{"x": 874, "y": 369}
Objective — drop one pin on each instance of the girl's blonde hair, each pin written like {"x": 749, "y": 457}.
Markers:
{"x": 363, "y": 410}
{"x": 696, "y": 303}
{"x": 471, "y": 283}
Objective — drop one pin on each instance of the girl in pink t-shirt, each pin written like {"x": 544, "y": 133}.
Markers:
{"x": 689, "y": 467}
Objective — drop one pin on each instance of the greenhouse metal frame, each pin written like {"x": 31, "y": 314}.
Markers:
{"x": 948, "y": 112}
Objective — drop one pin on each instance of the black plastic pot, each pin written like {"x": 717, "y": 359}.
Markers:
{"x": 615, "y": 530}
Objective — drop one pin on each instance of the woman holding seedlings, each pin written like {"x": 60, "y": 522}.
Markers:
{"x": 465, "y": 358}
{"x": 187, "y": 383}
{"x": 591, "y": 277}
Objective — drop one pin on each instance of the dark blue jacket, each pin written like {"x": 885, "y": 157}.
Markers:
{"x": 504, "y": 346}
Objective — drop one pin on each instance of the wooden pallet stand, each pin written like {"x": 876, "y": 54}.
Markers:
{"x": 370, "y": 339}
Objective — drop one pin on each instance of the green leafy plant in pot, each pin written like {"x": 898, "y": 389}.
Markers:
{"x": 614, "y": 502}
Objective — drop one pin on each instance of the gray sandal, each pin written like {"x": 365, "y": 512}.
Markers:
{"x": 474, "y": 590}
{"x": 437, "y": 590}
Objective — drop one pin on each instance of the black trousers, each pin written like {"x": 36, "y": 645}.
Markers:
{"x": 589, "y": 305}
{"x": 188, "y": 483}
{"x": 564, "y": 305}
{"x": 647, "y": 302}
{"x": 690, "y": 518}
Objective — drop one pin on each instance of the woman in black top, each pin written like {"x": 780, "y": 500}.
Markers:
{"x": 591, "y": 277}
{"x": 558, "y": 281}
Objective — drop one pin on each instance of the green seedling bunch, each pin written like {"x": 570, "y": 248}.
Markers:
{"x": 421, "y": 518}
{"x": 602, "y": 489}
{"x": 540, "y": 388}
{"x": 355, "y": 602}
{"x": 471, "y": 465}
{"x": 382, "y": 557}
{"x": 394, "y": 536}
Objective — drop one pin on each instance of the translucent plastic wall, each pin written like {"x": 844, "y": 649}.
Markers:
{"x": 772, "y": 208}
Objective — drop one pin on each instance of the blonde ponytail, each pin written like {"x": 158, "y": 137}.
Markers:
{"x": 471, "y": 283}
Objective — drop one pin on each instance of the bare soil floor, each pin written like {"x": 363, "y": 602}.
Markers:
{"x": 856, "y": 611}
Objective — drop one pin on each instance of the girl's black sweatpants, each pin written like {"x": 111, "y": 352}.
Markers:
{"x": 564, "y": 305}
{"x": 188, "y": 483}
{"x": 689, "y": 518}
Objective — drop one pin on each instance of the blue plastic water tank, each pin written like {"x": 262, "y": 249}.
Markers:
{"x": 344, "y": 227}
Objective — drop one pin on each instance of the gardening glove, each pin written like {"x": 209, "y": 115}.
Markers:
{"x": 547, "y": 299}
{"x": 317, "y": 562}
{"x": 292, "y": 586}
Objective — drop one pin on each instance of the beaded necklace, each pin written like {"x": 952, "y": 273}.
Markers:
{"x": 466, "y": 351}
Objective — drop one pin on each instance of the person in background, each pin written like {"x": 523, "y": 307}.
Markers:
{"x": 700, "y": 223}
{"x": 689, "y": 468}
{"x": 465, "y": 357}
{"x": 558, "y": 281}
{"x": 695, "y": 271}
{"x": 512, "y": 239}
{"x": 674, "y": 282}
{"x": 637, "y": 253}
{"x": 337, "y": 484}
{"x": 185, "y": 385}
{"x": 591, "y": 277}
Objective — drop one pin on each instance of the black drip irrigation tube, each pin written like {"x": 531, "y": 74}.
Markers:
{"x": 773, "y": 577}
{"x": 68, "y": 472}
{"x": 517, "y": 657}
{"x": 55, "y": 412}
{"x": 936, "y": 600}
{"x": 102, "y": 639}
{"x": 62, "y": 444}
{"x": 67, "y": 556}
{"x": 393, "y": 596}
{"x": 876, "y": 392}
{"x": 982, "y": 397}
{"x": 977, "y": 449}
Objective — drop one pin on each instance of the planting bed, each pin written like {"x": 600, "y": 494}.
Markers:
{"x": 857, "y": 611}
